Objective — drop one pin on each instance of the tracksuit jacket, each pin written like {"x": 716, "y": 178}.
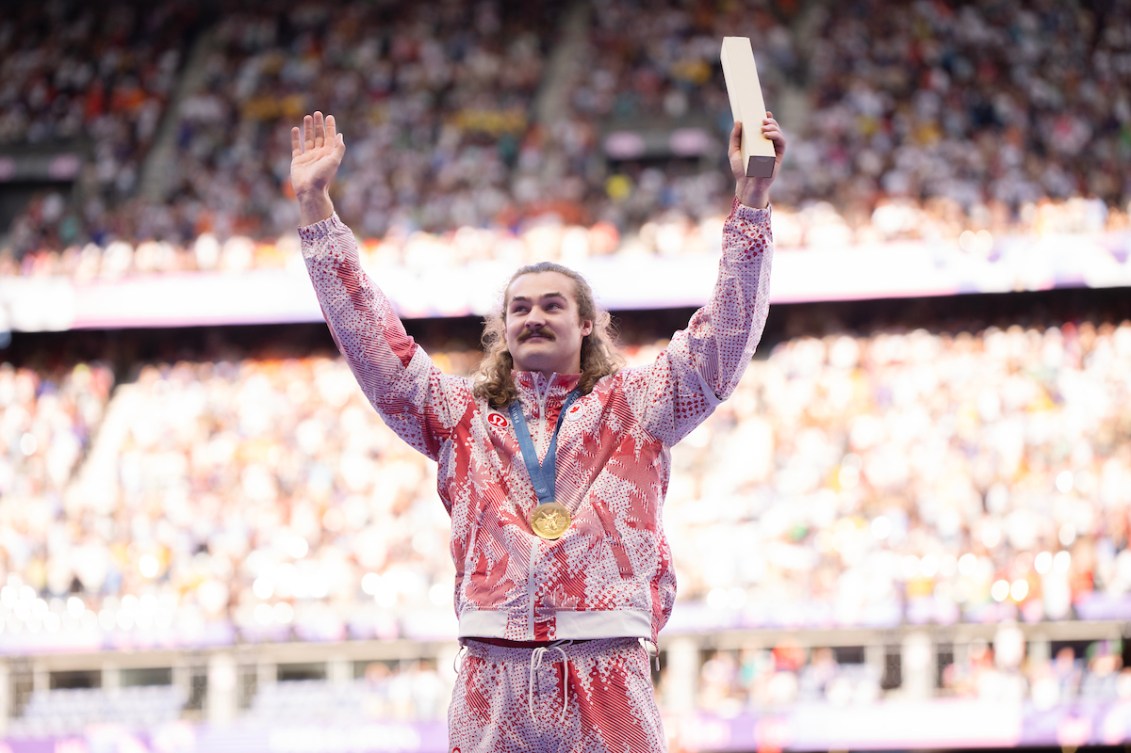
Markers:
{"x": 611, "y": 574}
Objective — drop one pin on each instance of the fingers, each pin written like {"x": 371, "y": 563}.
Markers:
{"x": 769, "y": 125}
{"x": 318, "y": 137}
{"x": 303, "y": 140}
{"x": 333, "y": 138}
{"x": 772, "y": 131}
{"x": 317, "y": 131}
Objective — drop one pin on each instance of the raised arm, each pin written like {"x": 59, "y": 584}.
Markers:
{"x": 317, "y": 150}
{"x": 704, "y": 361}
{"x": 413, "y": 397}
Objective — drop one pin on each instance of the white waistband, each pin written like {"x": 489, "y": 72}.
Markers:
{"x": 568, "y": 625}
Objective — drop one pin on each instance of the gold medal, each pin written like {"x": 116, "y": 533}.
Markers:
{"x": 550, "y": 520}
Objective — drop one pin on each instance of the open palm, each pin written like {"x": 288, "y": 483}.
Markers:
{"x": 316, "y": 153}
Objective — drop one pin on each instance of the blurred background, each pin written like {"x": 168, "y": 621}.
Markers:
{"x": 907, "y": 530}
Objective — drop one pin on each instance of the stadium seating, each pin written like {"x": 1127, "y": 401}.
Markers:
{"x": 961, "y": 479}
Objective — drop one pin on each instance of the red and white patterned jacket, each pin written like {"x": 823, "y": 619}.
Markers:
{"x": 611, "y": 574}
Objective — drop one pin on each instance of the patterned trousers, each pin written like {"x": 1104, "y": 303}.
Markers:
{"x": 585, "y": 697}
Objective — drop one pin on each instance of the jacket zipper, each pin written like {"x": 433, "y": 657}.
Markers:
{"x": 543, "y": 397}
{"x": 531, "y": 582}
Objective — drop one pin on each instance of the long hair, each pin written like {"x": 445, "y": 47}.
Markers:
{"x": 599, "y": 356}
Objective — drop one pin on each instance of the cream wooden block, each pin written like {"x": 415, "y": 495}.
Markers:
{"x": 747, "y": 106}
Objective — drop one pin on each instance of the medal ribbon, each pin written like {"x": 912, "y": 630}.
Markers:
{"x": 543, "y": 475}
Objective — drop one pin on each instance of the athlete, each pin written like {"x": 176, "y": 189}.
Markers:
{"x": 553, "y": 462}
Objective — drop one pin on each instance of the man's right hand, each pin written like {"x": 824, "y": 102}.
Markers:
{"x": 316, "y": 153}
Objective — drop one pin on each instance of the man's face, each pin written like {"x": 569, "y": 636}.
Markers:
{"x": 544, "y": 328}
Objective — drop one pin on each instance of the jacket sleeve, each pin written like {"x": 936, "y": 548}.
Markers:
{"x": 703, "y": 363}
{"x": 411, "y": 394}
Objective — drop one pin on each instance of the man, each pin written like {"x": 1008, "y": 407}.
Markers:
{"x": 553, "y": 464}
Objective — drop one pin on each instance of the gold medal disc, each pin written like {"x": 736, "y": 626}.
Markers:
{"x": 550, "y": 520}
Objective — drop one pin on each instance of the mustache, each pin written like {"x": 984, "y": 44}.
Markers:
{"x": 535, "y": 333}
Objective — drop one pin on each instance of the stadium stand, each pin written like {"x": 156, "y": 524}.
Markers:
{"x": 912, "y": 515}
{"x": 474, "y": 127}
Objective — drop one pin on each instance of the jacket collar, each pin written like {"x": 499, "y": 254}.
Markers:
{"x": 536, "y": 388}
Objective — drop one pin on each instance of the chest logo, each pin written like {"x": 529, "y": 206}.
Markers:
{"x": 498, "y": 420}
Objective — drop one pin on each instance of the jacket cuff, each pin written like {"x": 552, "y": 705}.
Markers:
{"x": 320, "y": 229}
{"x": 749, "y": 214}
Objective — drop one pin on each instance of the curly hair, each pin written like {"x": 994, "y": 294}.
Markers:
{"x": 599, "y": 356}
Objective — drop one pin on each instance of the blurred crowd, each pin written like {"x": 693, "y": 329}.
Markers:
{"x": 94, "y": 83}
{"x": 967, "y": 473}
{"x": 940, "y": 475}
{"x": 732, "y": 682}
{"x": 971, "y": 107}
{"x": 894, "y": 477}
{"x": 916, "y": 121}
